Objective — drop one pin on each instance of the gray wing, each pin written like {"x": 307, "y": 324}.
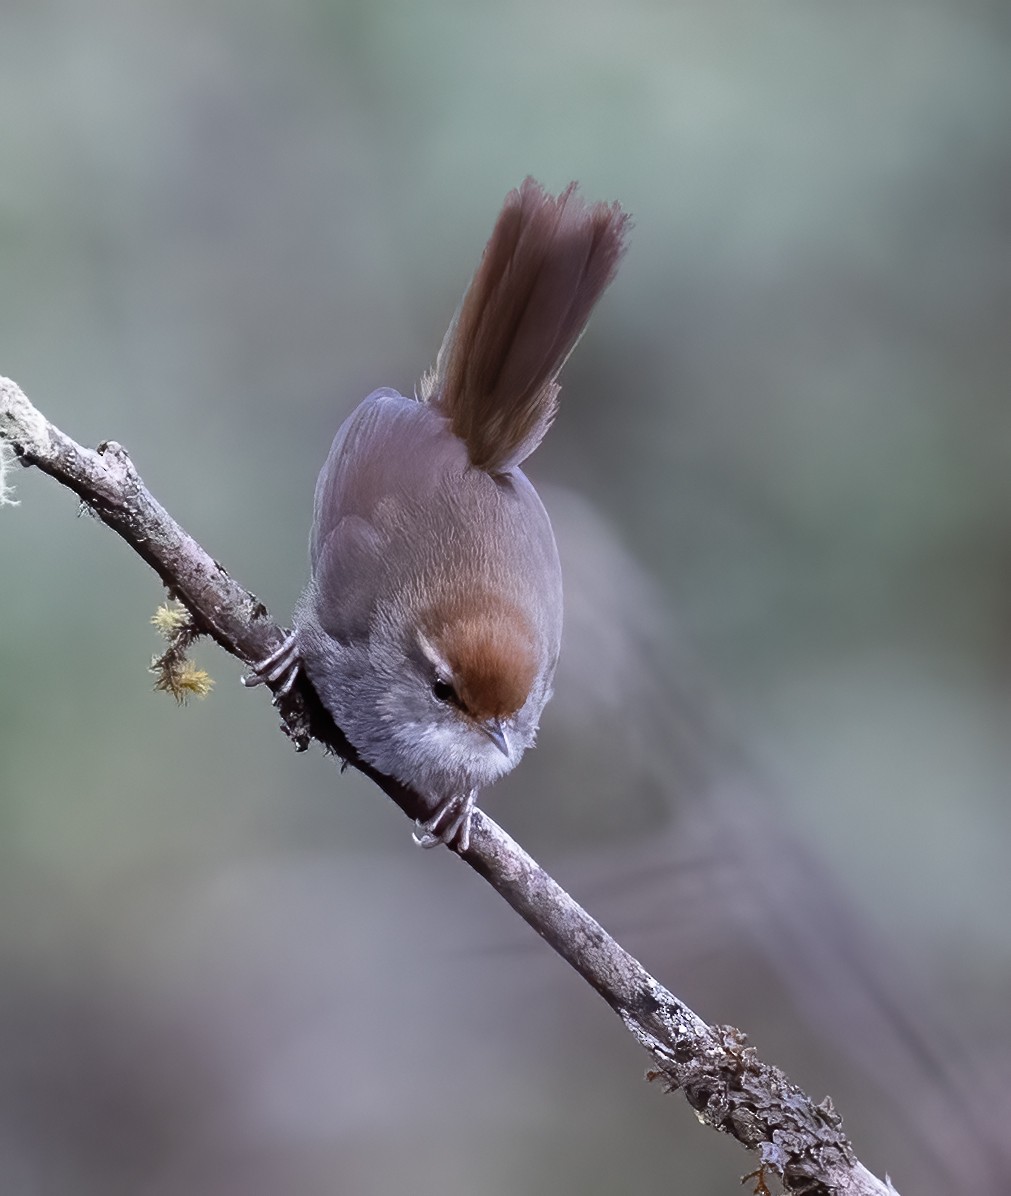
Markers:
{"x": 386, "y": 460}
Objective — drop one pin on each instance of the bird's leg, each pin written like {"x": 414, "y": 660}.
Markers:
{"x": 458, "y": 810}
{"x": 282, "y": 665}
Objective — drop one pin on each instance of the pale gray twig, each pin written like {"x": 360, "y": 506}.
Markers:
{"x": 724, "y": 1081}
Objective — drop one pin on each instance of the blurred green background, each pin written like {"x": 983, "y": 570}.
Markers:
{"x": 224, "y": 968}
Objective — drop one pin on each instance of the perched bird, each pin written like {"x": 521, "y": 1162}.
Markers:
{"x": 431, "y": 623}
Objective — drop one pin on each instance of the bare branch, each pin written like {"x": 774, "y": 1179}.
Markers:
{"x": 722, "y": 1078}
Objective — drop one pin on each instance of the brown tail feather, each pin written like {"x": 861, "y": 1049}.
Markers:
{"x": 547, "y": 263}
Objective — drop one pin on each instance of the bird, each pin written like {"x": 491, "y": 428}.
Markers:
{"x": 431, "y": 623}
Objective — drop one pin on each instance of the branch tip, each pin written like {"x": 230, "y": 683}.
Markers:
{"x": 21, "y": 424}
{"x": 7, "y": 459}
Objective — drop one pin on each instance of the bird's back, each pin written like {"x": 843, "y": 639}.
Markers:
{"x": 400, "y": 512}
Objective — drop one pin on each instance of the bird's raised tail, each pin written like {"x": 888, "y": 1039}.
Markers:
{"x": 547, "y": 263}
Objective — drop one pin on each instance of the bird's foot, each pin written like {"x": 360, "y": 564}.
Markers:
{"x": 279, "y": 670}
{"x": 450, "y": 824}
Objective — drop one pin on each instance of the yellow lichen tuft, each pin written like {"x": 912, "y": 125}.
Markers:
{"x": 193, "y": 681}
{"x": 181, "y": 678}
{"x": 169, "y": 619}
{"x": 175, "y": 673}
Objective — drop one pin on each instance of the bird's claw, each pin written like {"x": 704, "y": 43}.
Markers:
{"x": 279, "y": 670}
{"x": 456, "y": 831}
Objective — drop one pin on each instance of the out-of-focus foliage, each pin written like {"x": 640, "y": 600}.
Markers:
{"x": 224, "y": 968}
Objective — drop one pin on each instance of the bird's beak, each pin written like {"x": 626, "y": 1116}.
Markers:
{"x": 496, "y": 733}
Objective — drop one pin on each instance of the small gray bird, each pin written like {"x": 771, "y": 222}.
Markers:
{"x": 431, "y": 624}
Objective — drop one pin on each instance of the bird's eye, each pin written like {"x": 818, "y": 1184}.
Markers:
{"x": 442, "y": 691}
